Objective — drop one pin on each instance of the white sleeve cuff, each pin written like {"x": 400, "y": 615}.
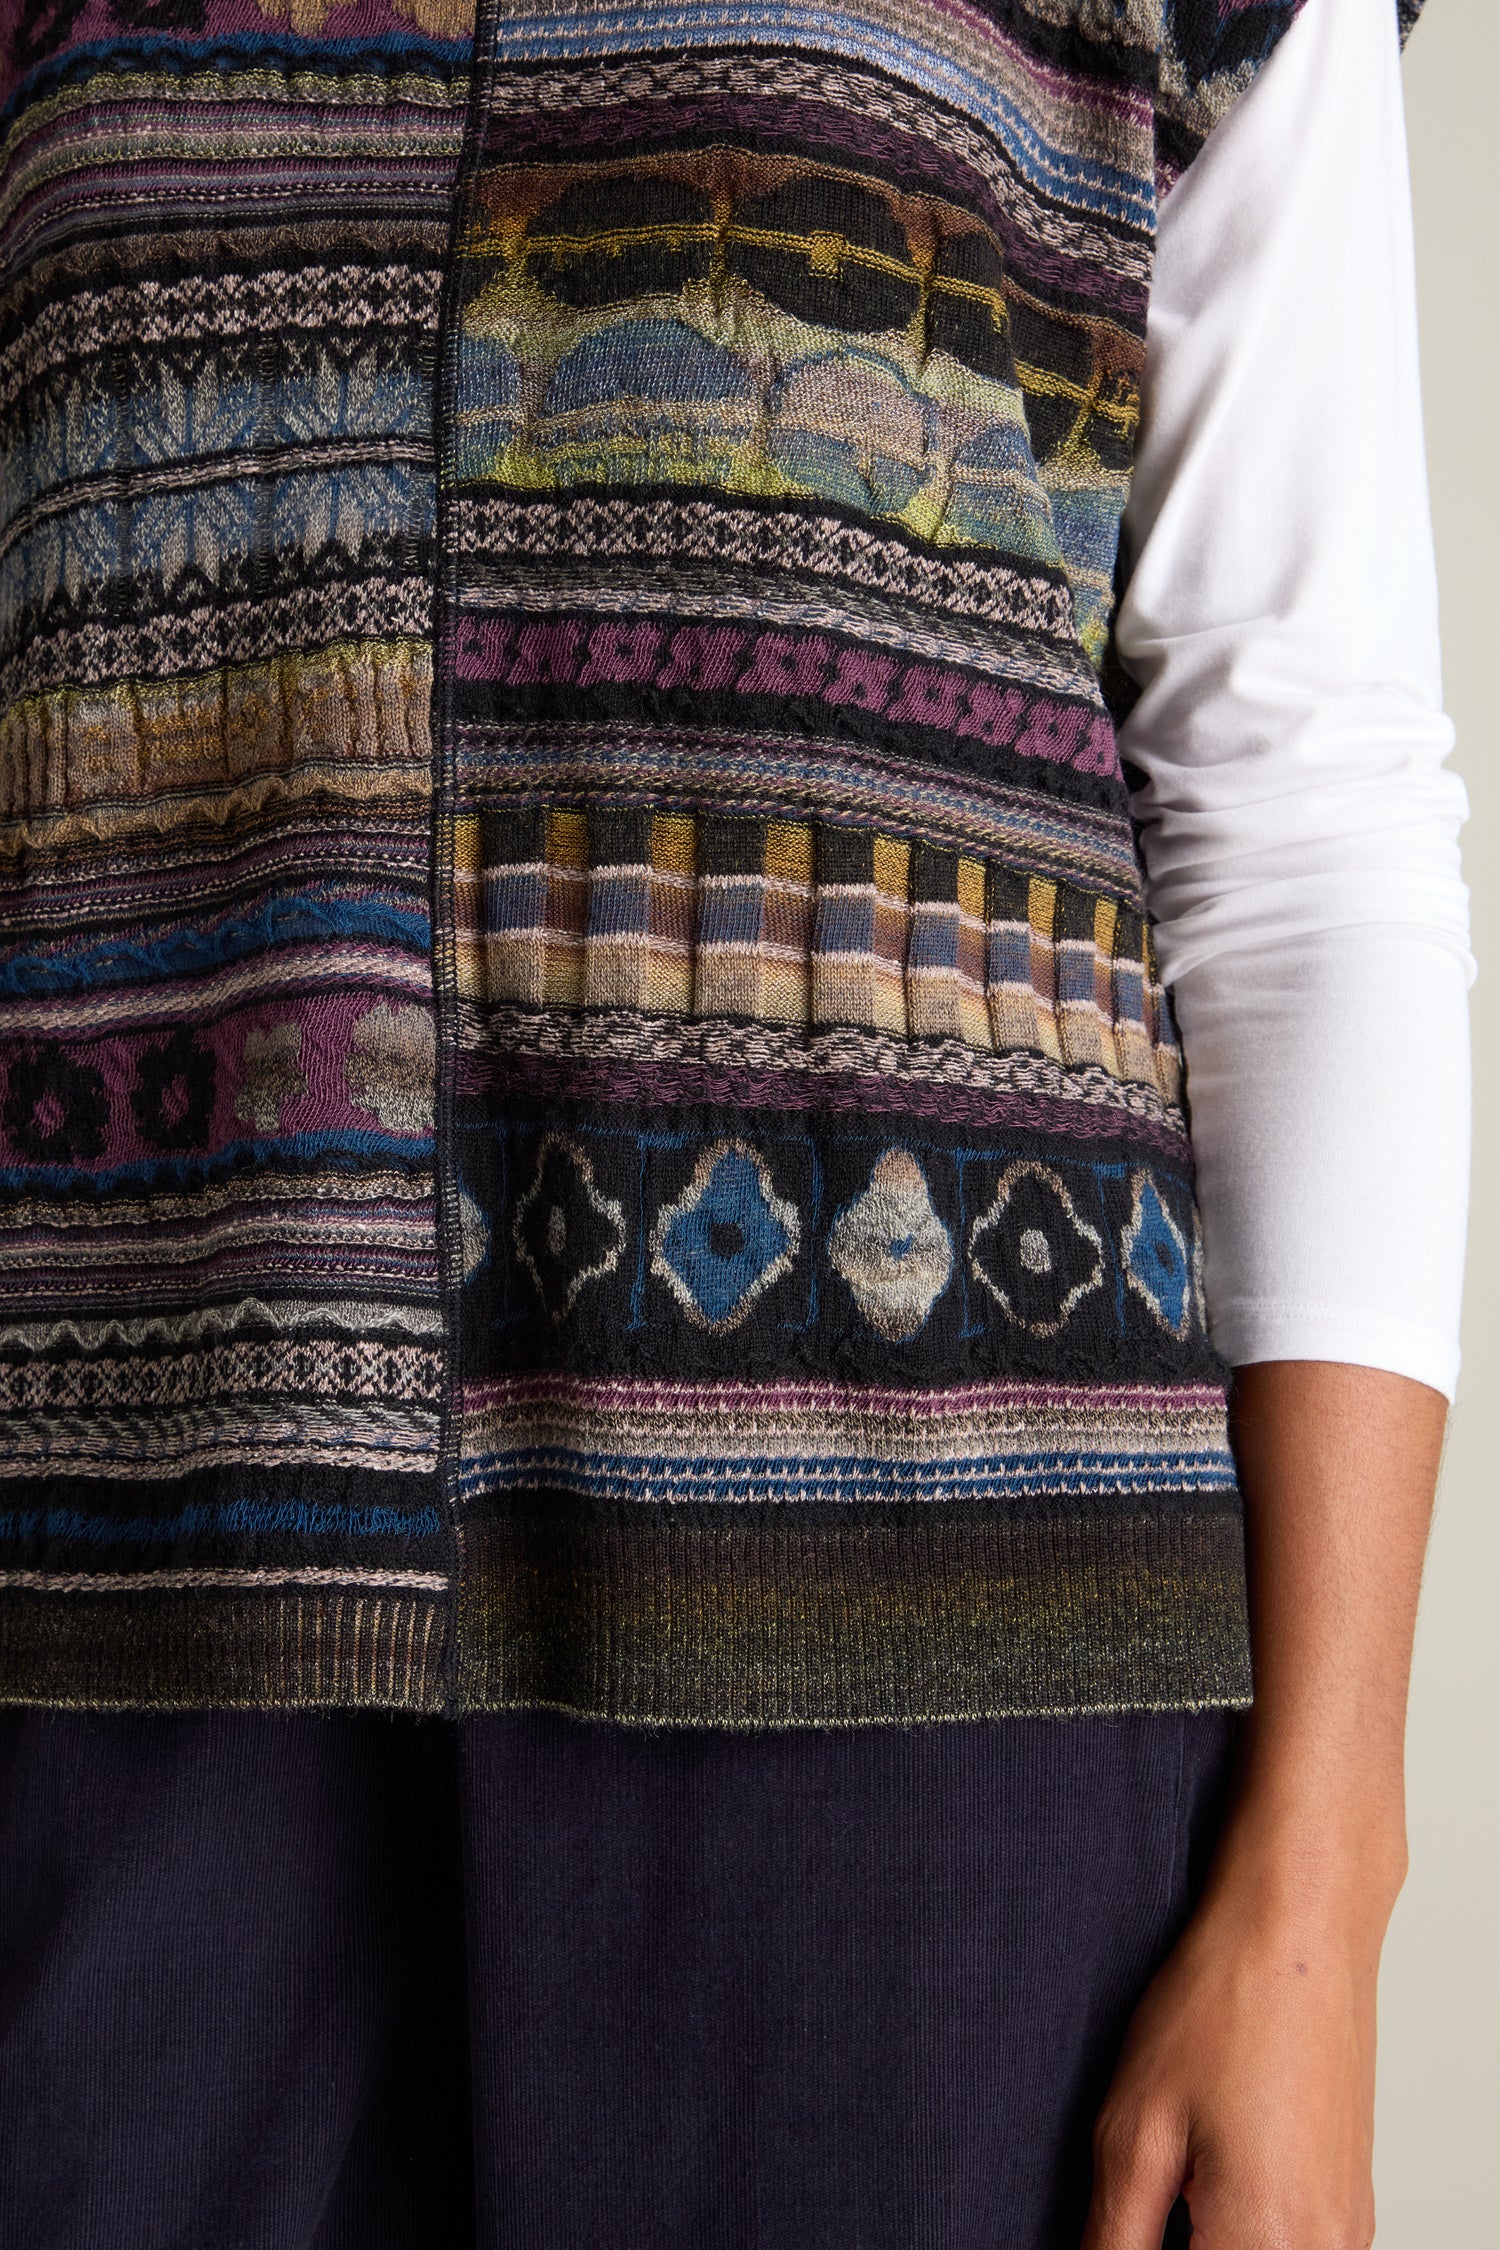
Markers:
{"x": 1328, "y": 1081}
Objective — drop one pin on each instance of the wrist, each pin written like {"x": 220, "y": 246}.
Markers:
{"x": 1324, "y": 1787}
{"x": 1307, "y": 1857}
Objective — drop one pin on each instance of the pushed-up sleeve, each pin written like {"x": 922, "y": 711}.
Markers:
{"x": 1287, "y": 747}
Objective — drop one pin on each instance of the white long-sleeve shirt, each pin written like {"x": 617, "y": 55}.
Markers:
{"x": 1299, "y": 828}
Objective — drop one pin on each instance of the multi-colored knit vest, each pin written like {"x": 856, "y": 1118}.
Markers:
{"x": 587, "y": 1118}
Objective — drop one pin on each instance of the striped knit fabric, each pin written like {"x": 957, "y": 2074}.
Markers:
{"x": 644, "y": 481}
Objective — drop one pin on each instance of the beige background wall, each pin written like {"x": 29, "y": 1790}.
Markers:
{"x": 1439, "y": 2099}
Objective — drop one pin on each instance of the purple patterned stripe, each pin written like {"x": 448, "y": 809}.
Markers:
{"x": 352, "y": 1062}
{"x": 804, "y": 667}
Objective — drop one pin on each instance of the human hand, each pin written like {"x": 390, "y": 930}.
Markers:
{"x": 1246, "y": 2082}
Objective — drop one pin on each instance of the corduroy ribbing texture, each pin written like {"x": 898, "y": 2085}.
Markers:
{"x": 348, "y": 1982}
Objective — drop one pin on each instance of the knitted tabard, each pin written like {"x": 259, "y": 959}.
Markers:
{"x": 586, "y": 1117}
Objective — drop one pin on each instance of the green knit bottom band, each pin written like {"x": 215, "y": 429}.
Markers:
{"x": 665, "y": 1623}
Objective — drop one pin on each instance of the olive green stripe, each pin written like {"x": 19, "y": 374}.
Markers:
{"x": 176, "y": 1650}
{"x": 672, "y": 1624}
{"x": 668, "y": 1624}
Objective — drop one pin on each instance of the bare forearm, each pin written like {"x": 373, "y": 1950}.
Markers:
{"x": 1247, "y": 2081}
{"x": 1338, "y": 1466}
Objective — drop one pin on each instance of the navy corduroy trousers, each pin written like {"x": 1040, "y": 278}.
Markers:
{"x": 351, "y": 1982}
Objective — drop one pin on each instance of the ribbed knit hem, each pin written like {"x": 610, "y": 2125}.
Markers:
{"x": 667, "y": 1623}
{"x": 193, "y": 1649}
{"x": 671, "y": 1623}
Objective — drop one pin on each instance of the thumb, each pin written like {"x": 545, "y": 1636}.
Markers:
{"x": 1140, "y": 2163}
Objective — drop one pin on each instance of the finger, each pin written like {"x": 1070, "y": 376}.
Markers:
{"x": 1140, "y": 2162}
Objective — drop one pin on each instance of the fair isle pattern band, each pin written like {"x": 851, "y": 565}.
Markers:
{"x": 795, "y": 922}
{"x": 737, "y": 1443}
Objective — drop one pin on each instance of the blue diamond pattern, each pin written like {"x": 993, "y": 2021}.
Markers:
{"x": 726, "y": 1238}
{"x": 1156, "y": 1258}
